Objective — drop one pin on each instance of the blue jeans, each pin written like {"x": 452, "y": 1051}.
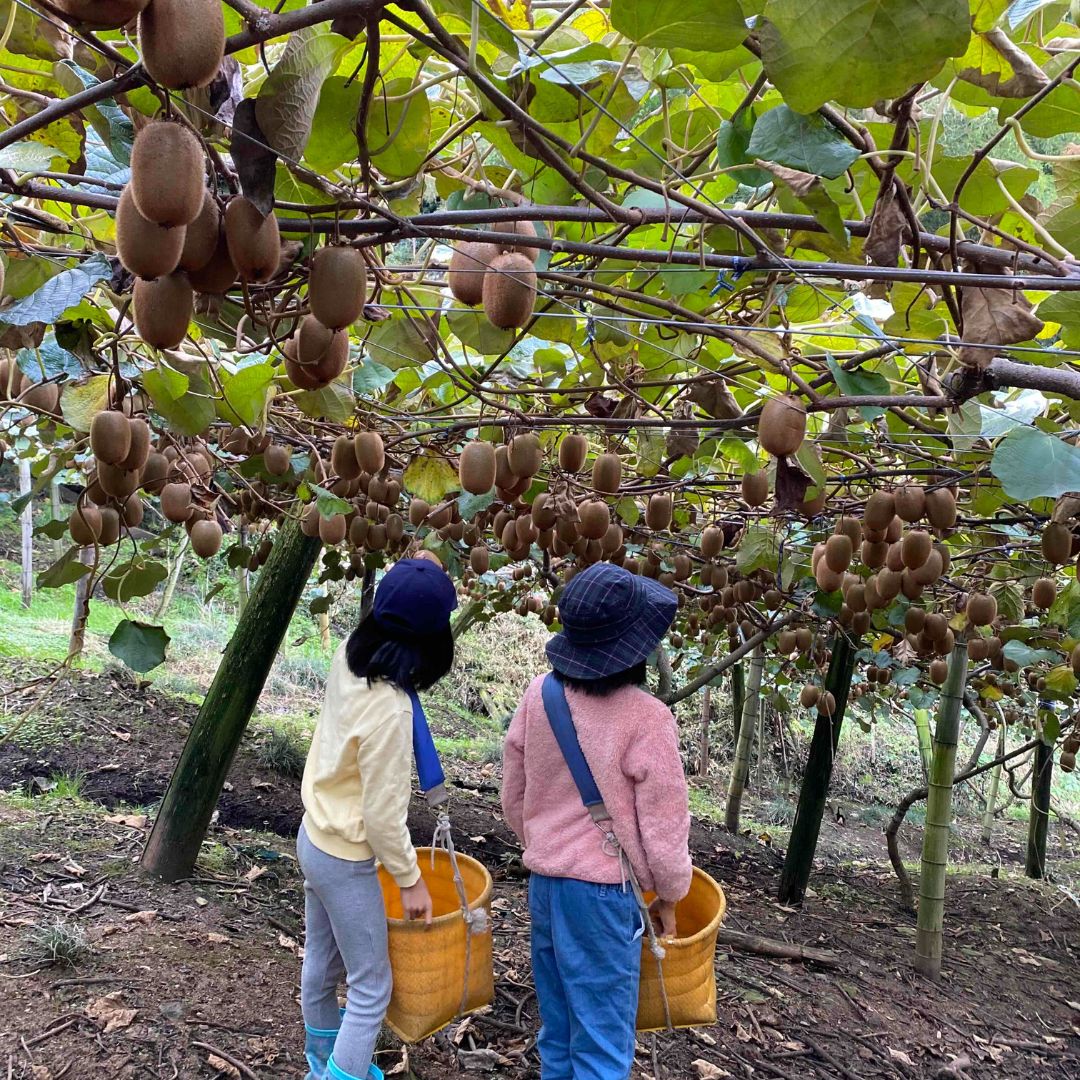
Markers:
{"x": 586, "y": 956}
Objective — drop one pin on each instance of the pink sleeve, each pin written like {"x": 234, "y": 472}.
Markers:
{"x": 662, "y": 801}
{"x": 513, "y": 780}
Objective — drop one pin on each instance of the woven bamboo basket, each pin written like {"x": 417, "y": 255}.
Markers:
{"x": 689, "y": 976}
{"x": 429, "y": 963}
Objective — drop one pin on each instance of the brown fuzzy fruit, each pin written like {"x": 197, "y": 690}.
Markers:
{"x": 343, "y": 461}
{"x": 254, "y": 241}
{"x": 785, "y": 642}
{"x": 852, "y": 528}
{"x": 939, "y": 671}
{"x": 337, "y": 286}
{"x": 102, "y": 14}
{"x": 219, "y": 274}
{"x": 176, "y": 502}
{"x": 524, "y": 455}
{"x": 509, "y": 293}
{"x": 1067, "y": 761}
{"x": 914, "y": 619}
{"x": 182, "y": 41}
{"x": 133, "y": 511}
{"x": 828, "y": 580}
{"x": 910, "y": 502}
{"x": 1043, "y": 593}
{"x": 594, "y": 519}
{"x": 110, "y": 526}
{"x": 155, "y": 473}
{"x": 468, "y": 267}
{"x": 915, "y": 548}
{"x": 712, "y": 541}
{"x": 804, "y": 639}
{"x": 168, "y": 174}
{"x": 930, "y": 571}
{"x": 809, "y": 696}
{"x": 480, "y": 559}
{"x": 1057, "y": 543}
{"x": 277, "y": 459}
{"x": 981, "y": 609}
{"x": 782, "y": 426}
{"x": 418, "y": 512}
{"x": 936, "y": 626}
{"x": 838, "y": 552}
{"x": 941, "y": 508}
{"x": 880, "y": 510}
{"x": 517, "y": 228}
{"x": 827, "y": 704}
{"x": 476, "y": 468}
{"x": 572, "y": 452}
{"x": 145, "y": 249}
{"x": 163, "y": 310}
{"x": 315, "y": 356}
{"x": 370, "y": 451}
{"x": 85, "y": 524}
{"x": 607, "y": 473}
{"x": 201, "y": 236}
{"x": 110, "y": 437}
{"x": 755, "y": 488}
{"x": 658, "y": 511}
{"x": 332, "y": 529}
{"x": 206, "y": 537}
{"x": 139, "y": 444}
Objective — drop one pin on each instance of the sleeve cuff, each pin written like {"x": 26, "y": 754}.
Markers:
{"x": 408, "y": 879}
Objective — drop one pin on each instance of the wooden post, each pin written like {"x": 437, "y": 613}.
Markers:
{"x": 81, "y": 613}
{"x": 26, "y": 519}
{"x": 174, "y": 576}
{"x": 995, "y": 783}
{"x": 212, "y": 743}
{"x": 57, "y": 515}
{"x": 814, "y": 793}
{"x": 935, "y": 853}
{"x": 1039, "y": 818}
{"x": 738, "y": 696}
{"x": 747, "y": 728}
{"x": 706, "y": 719}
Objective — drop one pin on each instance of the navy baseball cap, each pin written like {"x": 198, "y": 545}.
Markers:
{"x": 415, "y": 595}
{"x": 611, "y": 620}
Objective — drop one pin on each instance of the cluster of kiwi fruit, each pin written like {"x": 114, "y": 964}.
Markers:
{"x": 501, "y": 276}
{"x": 337, "y": 291}
{"x": 1069, "y": 749}
{"x": 16, "y": 389}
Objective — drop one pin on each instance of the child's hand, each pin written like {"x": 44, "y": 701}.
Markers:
{"x": 662, "y": 913}
{"x": 416, "y": 900}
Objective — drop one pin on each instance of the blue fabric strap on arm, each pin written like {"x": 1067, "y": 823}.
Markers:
{"x": 562, "y": 724}
{"x": 428, "y": 766}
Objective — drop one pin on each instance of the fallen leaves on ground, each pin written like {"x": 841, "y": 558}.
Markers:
{"x": 223, "y": 1066}
{"x": 111, "y": 1011}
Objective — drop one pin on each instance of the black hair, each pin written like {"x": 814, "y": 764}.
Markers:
{"x": 607, "y": 684}
{"x": 409, "y": 661}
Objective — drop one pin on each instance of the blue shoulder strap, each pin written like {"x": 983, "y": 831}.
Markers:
{"x": 562, "y": 724}
{"x": 428, "y": 766}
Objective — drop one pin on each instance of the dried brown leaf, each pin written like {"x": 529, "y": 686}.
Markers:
{"x": 223, "y": 1066}
{"x": 706, "y": 1070}
{"x": 111, "y": 1012}
{"x": 995, "y": 317}
{"x": 889, "y": 231}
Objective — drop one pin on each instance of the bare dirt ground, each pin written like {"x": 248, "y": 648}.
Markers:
{"x": 199, "y": 979}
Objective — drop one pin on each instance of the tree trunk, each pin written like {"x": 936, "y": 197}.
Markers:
{"x": 814, "y": 793}
{"x": 706, "y": 719}
{"x": 759, "y": 763}
{"x": 935, "y": 853}
{"x": 738, "y": 697}
{"x": 324, "y": 630}
{"x": 57, "y": 515}
{"x": 26, "y": 519}
{"x": 174, "y": 577}
{"x": 212, "y": 743}
{"x": 1039, "y": 818}
{"x": 995, "y": 783}
{"x": 81, "y": 612}
{"x": 243, "y": 578}
{"x": 747, "y": 726}
{"x": 926, "y": 745}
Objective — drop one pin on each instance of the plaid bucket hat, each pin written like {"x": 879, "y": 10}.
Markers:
{"x": 611, "y": 620}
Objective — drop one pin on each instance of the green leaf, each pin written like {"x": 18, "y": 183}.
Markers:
{"x": 1065, "y": 610}
{"x": 66, "y": 570}
{"x": 398, "y": 131}
{"x": 491, "y": 29}
{"x": 370, "y": 377}
{"x": 27, "y": 157}
{"x": 54, "y": 529}
{"x": 245, "y": 394}
{"x": 1060, "y": 682}
{"x": 471, "y": 505}
{"x": 48, "y": 361}
{"x": 738, "y": 452}
{"x": 806, "y": 143}
{"x": 628, "y": 510}
{"x": 328, "y": 503}
{"x": 333, "y": 142}
{"x": 1031, "y": 464}
{"x": 1063, "y": 308}
{"x": 333, "y": 402}
{"x": 702, "y": 25}
{"x": 140, "y": 646}
{"x": 138, "y": 577}
{"x": 59, "y": 293}
{"x": 758, "y": 550}
{"x": 431, "y": 477}
{"x": 188, "y": 412}
{"x": 288, "y": 99}
{"x": 732, "y": 148}
{"x": 1022, "y": 10}
{"x": 475, "y": 331}
{"x": 855, "y": 52}
{"x": 860, "y": 384}
{"x": 808, "y": 192}
{"x": 1025, "y": 656}
{"x": 81, "y": 402}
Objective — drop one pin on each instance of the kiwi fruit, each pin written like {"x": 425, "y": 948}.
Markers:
{"x": 910, "y": 502}
{"x": 343, "y": 461}
{"x": 981, "y": 609}
{"x": 525, "y": 455}
{"x": 785, "y": 642}
{"x": 418, "y": 512}
{"x": 915, "y": 548}
{"x": 337, "y": 286}
{"x": 712, "y": 541}
{"x": 205, "y": 536}
{"x": 607, "y": 473}
{"x": 476, "y": 468}
{"x": 657, "y": 510}
{"x": 480, "y": 559}
{"x": 914, "y": 619}
{"x": 155, "y": 473}
{"x": 888, "y": 584}
{"x": 110, "y": 526}
{"x": 139, "y": 444}
{"x": 1057, "y": 543}
{"x": 370, "y": 451}
{"x": 543, "y": 511}
{"x": 977, "y": 650}
{"x": 509, "y": 291}
{"x": 253, "y": 239}
{"x": 809, "y": 695}
{"x": 163, "y": 310}
{"x": 315, "y": 355}
{"x": 517, "y": 228}
{"x": 85, "y": 524}
{"x": 755, "y": 488}
{"x": 277, "y": 459}
{"x": 1067, "y": 761}
{"x": 332, "y": 529}
{"x": 110, "y": 437}
{"x": 838, "y": 553}
{"x": 202, "y": 236}
{"x": 930, "y": 571}
{"x": 133, "y": 511}
{"x": 941, "y": 508}
{"x": 804, "y": 639}
{"x": 168, "y": 174}
{"x": 880, "y": 510}
{"x": 176, "y": 502}
{"x": 828, "y": 580}
{"x": 572, "y": 452}
{"x": 468, "y": 267}
{"x": 101, "y": 14}
{"x": 874, "y": 553}
{"x": 939, "y": 671}
{"x": 826, "y": 703}
{"x": 594, "y": 519}
{"x": 782, "y": 425}
{"x": 182, "y": 42}
{"x": 1043, "y": 593}
{"x": 145, "y": 249}
{"x": 219, "y": 274}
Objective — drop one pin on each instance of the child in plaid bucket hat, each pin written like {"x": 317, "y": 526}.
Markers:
{"x": 586, "y": 922}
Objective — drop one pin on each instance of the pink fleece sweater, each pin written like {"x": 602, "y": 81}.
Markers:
{"x": 631, "y": 744}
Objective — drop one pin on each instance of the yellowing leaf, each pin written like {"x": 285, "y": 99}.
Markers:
{"x": 431, "y": 477}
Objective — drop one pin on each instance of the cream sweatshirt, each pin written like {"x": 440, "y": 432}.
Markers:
{"x": 358, "y": 777}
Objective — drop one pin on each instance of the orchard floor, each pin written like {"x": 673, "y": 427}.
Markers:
{"x": 200, "y": 979}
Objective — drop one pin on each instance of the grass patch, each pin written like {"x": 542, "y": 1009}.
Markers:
{"x": 483, "y": 751}
{"x": 59, "y": 944}
{"x": 280, "y": 751}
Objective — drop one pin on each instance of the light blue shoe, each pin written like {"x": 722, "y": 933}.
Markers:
{"x": 335, "y": 1072}
{"x": 318, "y": 1046}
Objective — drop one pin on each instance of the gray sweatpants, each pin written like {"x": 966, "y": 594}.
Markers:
{"x": 346, "y": 936}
